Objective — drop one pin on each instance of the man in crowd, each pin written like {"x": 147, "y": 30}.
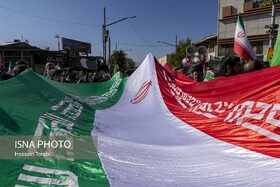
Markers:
{"x": 57, "y": 75}
{"x": 49, "y": 69}
{"x": 190, "y": 69}
{"x": 266, "y": 64}
{"x": 196, "y": 73}
{"x": 19, "y": 68}
{"x": 229, "y": 66}
{"x": 71, "y": 75}
{"x": 252, "y": 65}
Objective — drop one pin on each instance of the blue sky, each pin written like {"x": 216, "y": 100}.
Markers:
{"x": 39, "y": 21}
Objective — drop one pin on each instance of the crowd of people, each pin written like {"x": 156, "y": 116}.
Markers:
{"x": 230, "y": 65}
{"x": 55, "y": 73}
{"x": 74, "y": 76}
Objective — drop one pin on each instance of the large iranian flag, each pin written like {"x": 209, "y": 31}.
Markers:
{"x": 153, "y": 128}
{"x": 242, "y": 46}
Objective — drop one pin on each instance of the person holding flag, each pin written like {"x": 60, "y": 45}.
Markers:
{"x": 59, "y": 67}
{"x": 116, "y": 69}
{"x": 242, "y": 46}
{"x": 11, "y": 67}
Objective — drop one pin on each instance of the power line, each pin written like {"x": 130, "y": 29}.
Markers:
{"x": 141, "y": 45}
{"x": 49, "y": 19}
{"x": 97, "y": 43}
{"x": 140, "y": 35}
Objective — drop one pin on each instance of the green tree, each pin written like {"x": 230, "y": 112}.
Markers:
{"x": 119, "y": 58}
{"x": 180, "y": 54}
{"x": 130, "y": 64}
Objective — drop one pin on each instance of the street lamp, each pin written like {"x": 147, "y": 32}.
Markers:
{"x": 120, "y": 20}
{"x": 126, "y": 49}
{"x": 105, "y": 32}
{"x": 272, "y": 27}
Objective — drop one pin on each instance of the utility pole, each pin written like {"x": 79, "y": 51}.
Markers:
{"x": 176, "y": 44}
{"x": 105, "y": 33}
{"x": 104, "y": 41}
{"x": 272, "y": 24}
{"x": 109, "y": 57}
{"x": 270, "y": 29}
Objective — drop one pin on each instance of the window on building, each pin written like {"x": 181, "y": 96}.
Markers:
{"x": 15, "y": 56}
{"x": 211, "y": 47}
{"x": 1, "y": 61}
{"x": 12, "y": 56}
{"x": 27, "y": 56}
{"x": 227, "y": 49}
{"x": 257, "y": 47}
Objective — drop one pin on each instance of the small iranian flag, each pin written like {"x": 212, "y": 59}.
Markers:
{"x": 209, "y": 76}
{"x": 59, "y": 67}
{"x": 11, "y": 67}
{"x": 116, "y": 69}
{"x": 242, "y": 46}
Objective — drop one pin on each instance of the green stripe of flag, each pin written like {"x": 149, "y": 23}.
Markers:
{"x": 240, "y": 21}
{"x": 32, "y": 97}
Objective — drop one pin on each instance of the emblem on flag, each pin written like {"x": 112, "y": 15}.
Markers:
{"x": 142, "y": 92}
{"x": 241, "y": 34}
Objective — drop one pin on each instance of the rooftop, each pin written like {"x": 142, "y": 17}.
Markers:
{"x": 207, "y": 39}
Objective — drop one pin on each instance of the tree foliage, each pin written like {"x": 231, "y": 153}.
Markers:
{"x": 180, "y": 54}
{"x": 130, "y": 64}
{"x": 119, "y": 58}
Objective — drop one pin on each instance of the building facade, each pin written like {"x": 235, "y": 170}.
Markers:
{"x": 164, "y": 59}
{"x": 37, "y": 58}
{"x": 15, "y": 51}
{"x": 256, "y": 15}
{"x": 210, "y": 42}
